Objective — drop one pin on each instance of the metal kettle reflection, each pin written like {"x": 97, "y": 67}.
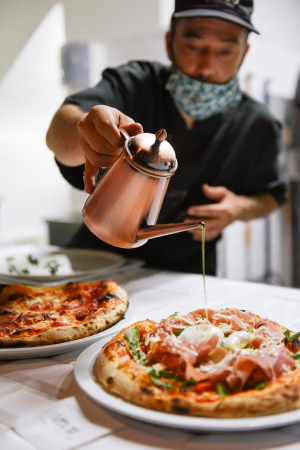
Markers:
{"x": 131, "y": 192}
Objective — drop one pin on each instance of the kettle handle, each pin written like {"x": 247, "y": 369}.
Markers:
{"x": 124, "y": 134}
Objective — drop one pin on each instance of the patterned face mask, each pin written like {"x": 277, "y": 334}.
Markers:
{"x": 202, "y": 100}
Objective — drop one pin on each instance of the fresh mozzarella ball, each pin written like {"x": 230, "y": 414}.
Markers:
{"x": 197, "y": 333}
{"x": 237, "y": 340}
{"x": 218, "y": 332}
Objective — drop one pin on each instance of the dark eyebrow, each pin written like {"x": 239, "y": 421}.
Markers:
{"x": 194, "y": 34}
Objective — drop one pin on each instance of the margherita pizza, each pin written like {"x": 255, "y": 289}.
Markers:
{"x": 233, "y": 364}
{"x": 32, "y": 316}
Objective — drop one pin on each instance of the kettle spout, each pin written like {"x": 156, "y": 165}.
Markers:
{"x": 154, "y": 231}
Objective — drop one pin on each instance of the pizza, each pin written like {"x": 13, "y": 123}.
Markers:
{"x": 33, "y": 316}
{"x": 226, "y": 364}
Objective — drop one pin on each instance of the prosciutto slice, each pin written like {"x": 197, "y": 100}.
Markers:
{"x": 274, "y": 334}
{"x": 176, "y": 354}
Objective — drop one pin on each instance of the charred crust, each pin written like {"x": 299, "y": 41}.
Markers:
{"x": 121, "y": 315}
{"x": 107, "y": 296}
{"x": 180, "y": 410}
{"x": 147, "y": 391}
{"x": 107, "y": 322}
{"x": 295, "y": 344}
{"x": 5, "y": 313}
{"x": 110, "y": 380}
{"x": 120, "y": 343}
{"x": 70, "y": 283}
{"x": 3, "y": 286}
{"x": 85, "y": 324}
{"x": 176, "y": 400}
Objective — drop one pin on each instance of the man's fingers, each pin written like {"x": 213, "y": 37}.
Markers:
{"x": 200, "y": 212}
{"x": 214, "y": 192}
{"x": 89, "y": 177}
{"x": 132, "y": 129}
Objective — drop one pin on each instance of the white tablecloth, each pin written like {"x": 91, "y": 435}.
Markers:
{"x": 41, "y": 406}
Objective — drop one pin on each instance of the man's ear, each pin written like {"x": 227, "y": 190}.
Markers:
{"x": 169, "y": 45}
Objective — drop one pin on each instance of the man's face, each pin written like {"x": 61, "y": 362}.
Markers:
{"x": 207, "y": 49}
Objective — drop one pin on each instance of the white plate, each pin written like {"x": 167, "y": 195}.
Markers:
{"x": 65, "y": 347}
{"x": 84, "y": 377}
{"x": 84, "y": 263}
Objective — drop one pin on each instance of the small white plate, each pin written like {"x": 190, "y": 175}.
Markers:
{"x": 85, "y": 379}
{"x": 65, "y": 347}
{"x": 82, "y": 263}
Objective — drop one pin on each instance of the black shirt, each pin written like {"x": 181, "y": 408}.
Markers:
{"x": 237, "y": 149}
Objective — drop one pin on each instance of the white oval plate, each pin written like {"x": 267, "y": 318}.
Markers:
{"x": 65, "y": 347}
{"x": 83, "y": 263}
{"x": 84, "y": 377}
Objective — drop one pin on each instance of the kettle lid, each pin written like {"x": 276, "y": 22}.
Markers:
{"x": 151, "y": 154}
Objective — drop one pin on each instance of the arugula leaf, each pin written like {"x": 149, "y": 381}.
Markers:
{"x": 289, "y": 338}
{"x": 221, "y": 390}
{"x": 190, "y": 382}
{"x": 159, "y": 383}
{"x": 32, "y": 260}
{"x": 175, "y": 314}
{"x": 10, "y": 258}
{"x": 132, "y": 335}
{"x": 262, "y": 385}
{"x": 178, "y": 332}
{"x": 297, "y": 356}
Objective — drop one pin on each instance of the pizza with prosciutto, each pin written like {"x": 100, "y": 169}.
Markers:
{"x": 228, "y": 363}
{"x": 32, "y": 316}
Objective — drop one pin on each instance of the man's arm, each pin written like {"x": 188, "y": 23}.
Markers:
{"x": 228, "y": 208}
{"x": 63, "y": 135}
{"x": 93, "y": 138}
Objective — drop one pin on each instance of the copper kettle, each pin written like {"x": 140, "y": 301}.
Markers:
{"x": 131, "y": 192}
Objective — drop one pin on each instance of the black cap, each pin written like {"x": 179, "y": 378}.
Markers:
{"x": 236, "y": 11}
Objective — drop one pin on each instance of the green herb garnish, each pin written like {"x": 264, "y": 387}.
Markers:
{"x": 10, "y": 258}
{"x": 221, "y": 390}
{"x": 262, "y": 385}
{"x": 132, "y": 337}
{"x": 159, "y": 383}
{"x": 32, "y": 260}
{"x": 297, "y": 356}
{"x": 53, "y": 267}
{"x": 178, "y": 332}
{"x": 175, "y": 314}
{"x": 290, "y": 338}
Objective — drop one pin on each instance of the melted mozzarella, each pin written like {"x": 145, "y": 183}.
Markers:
{"x": 237, "y": 340}
{"x": 197, "y": 333}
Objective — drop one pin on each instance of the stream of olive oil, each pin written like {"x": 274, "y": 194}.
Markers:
{"x": 202, "y": 224}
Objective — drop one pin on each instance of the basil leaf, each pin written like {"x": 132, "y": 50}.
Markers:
{"x": 290, "y": 338}
{"x": 221, "y": 390}
{"x": 132, "y": 335}
{"x": 178, "y": 332}
{"x": 297, "y": 356}
{"x": 175, "y": 314}
{"x": 262, "y": 385}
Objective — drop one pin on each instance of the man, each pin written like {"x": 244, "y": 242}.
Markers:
{"x": 226, "y": 143}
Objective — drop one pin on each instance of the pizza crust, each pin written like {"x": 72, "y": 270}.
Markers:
{"x": 281, "y": 395}
{"x": 69, "y": 333}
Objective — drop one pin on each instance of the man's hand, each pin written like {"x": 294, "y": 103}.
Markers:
{"x": 228, "y": 208}
{"x": 77, "y": 137}
{"x": 100, "y": 139}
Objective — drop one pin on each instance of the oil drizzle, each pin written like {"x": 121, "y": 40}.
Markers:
{"x": 202, "y": 225}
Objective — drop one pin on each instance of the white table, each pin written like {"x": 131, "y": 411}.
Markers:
{"x": 41, "y": 406}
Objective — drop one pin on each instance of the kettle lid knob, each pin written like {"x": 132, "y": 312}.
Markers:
{"x": 151, "y": 154}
